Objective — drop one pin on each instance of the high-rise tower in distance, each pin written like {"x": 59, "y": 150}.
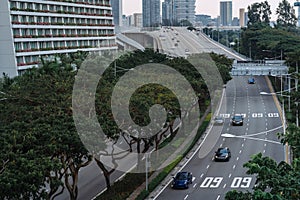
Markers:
{"x": 226, "y": 13}
{"x": 151, "y": 13}
{"x": 117, "y": 11}
{"x": 175, "y": 12}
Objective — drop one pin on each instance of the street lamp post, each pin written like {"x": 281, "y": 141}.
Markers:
{"x": 120, "y": 69}
{"x": 147, "y": 168}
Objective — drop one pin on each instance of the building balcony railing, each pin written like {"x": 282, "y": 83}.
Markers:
{"x": 62, "y": 48}
{"x": 85, "y": 3}
{"x": 59, "y": 23}
{"x": 61, "y": 12}
{"x": 28, "y": 63}
{"x": 63, "y": 35}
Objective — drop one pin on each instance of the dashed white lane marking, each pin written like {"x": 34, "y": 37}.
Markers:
{"x": 265, "y": 144}
{"x": 194, "y": 185}
{"x": 243, "y": 145}
{"x": 240, "y": 151}
{"x": 121, "y": 142}
{"x": 218, "y": 197}
{"x": 233, "y": 167}
{"x": 229, "y": 175}
{"x": 247, "y": 129}
{"x": 223, "y": 139}
{"x": 237, "y": 158}
{"x": 264, "y": 151}
{"x": 207, "y": 166}
{"x": 201, "y": 175}
{"x": 244, "y": 139}
{"x": 186, "y": 196}
{"x": 224, "y": 185}
{"x": 221, "y": 144}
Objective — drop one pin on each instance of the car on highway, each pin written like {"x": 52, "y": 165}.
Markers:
{"x": 182, "y": 180}
{"x": 222, "y": 154}
{"x": 237, "y": 120}
{"x": 251, "y": 80}
{"x": 218, "y": 120}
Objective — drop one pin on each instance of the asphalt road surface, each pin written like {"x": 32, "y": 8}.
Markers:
{"x": 262, "y": 121}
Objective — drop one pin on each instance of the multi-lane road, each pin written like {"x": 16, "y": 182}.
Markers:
{"x": 179, "y": 41}
{"x": 262, "y": 120}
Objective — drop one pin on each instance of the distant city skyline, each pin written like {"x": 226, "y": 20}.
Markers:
{"x": 207, "y": 7}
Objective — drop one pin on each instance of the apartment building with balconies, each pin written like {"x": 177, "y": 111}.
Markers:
{"x": 30, "y": 29}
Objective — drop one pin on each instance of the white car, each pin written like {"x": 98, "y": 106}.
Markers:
{"x": 218, "y": 120}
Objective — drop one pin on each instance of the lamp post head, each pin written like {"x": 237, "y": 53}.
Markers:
{"x": 228, "y": 135}
{"x": 265, "y": 93}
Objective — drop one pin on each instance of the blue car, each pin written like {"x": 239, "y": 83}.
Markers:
{"x": 251, "y": 80}
{"x": 182, "y": 180}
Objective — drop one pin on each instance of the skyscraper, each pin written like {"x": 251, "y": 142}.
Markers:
{"x": 31, "y": 29}
{"x": 185, "y": 10}
{"x": 226, "y": 13}
{"x": 174, "y": 12}
{"x": 117, "y": 11}
{"x": 242, "y": 17}
{"x": 151, "y": 13}
{"x": 168, "y": 13}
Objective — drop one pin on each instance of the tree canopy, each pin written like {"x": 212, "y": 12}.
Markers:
{"x": 41, "y": 153}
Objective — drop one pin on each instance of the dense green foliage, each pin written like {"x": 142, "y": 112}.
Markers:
{"x": 261, "y": 41}
{"x": 41, "y": 153}
{"x": 39, "y": 143}
{"x": 274, "y": 181}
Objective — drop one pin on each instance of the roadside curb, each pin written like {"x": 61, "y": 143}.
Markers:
{"x": 167, "y": 180}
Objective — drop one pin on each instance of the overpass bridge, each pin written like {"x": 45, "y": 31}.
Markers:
{"x": 178, "y": 41}
{"x": 127, "y": 43}
{"x": 259, "y": 68}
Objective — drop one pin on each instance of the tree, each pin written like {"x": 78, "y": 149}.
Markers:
{"x": 259, "y": 15}
{"x": 273, "y": 181}
{"x": 292, "y": 137}
{"x": 40, "y": 145}
{"x": 285, "y": 15}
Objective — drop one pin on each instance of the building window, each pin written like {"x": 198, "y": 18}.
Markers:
{"x": 20, "y": 60}
{"x": 13, "y": 4}
{"x": 18, "y": 46}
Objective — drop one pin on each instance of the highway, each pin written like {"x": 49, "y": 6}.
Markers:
{"x": 179, "y": 41}
{"x": 262, "y": 120}
{"x": 211, "y": 180}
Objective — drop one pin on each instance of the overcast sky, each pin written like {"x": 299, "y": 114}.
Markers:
{"x": 209, "y": 7}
